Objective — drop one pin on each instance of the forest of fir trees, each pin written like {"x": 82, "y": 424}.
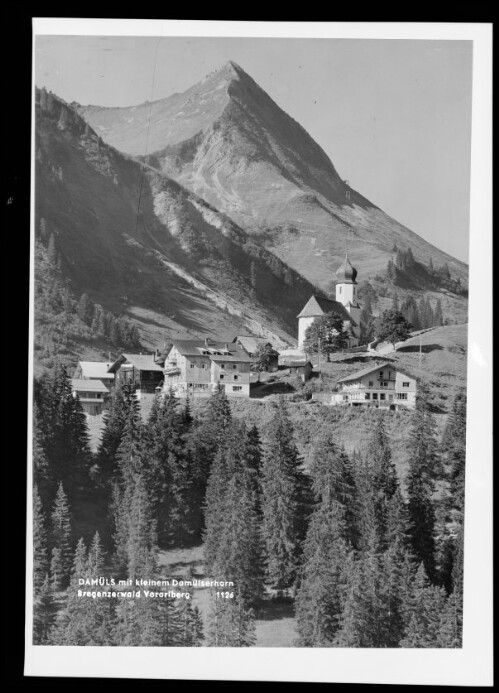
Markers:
{"x": 367, "y": 559}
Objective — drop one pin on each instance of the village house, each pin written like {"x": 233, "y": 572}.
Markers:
{"x": 345, "y": 305}
{"x": 381, "y": 386}
{"x": 93, "y": 395}
{"x": 251, "y": 346}
{"x": 94, "y": 370}
{"x": 198, "y": 367}
{"x": 140, "y": 369}
{"x": 301, "y": 367}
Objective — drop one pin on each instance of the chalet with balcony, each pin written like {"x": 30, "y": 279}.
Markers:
{"x": 197, "y": 368}
{"x": 140, "y": 369}
{"x": 380, "y": 386}
{"x": 93, "y": 395}
{"x": 94, "y": 370}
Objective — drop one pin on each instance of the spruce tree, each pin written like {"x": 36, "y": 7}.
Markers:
{"x": 323, "y": 582}
{"x": 84, "y": 621}
{"x": 123, "y": 405}
{"x": 230, "y": 623}
{"x": 233, "y": 537}
{"x": 40, "y": 545}
{"x": 284, "y": 501}
{"x": 423, "y": 470}
{"x": 61, "y": 532}
{"x": 423, "y": 611}
{"x": 44, "y": 613}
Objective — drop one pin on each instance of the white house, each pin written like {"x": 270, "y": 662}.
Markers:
{"x": 197, "y": 368}
{"x": 346, "y": 305}
{"x": 380, "y": 386}
{"x": 93, "y": 394}
{"x": 94, "y": 370}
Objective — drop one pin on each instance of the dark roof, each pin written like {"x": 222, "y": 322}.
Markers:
{"x": 80, "y": 385}
{"x": 346, "y": 272}
{"x": 320, "y": 305}
{"x": 143, "y": 362}
{"x": 371, "y": 369}
{"x": 192, "y": 347}
{"x": 296, "y": 364}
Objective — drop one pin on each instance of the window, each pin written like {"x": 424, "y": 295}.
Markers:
{"x": 384, "y": 383}
{"x": 222, "y": 365}
{"x": 405, "y": 384}
{"x": 401, "y": 395}
{"x": 236, "y": 377}
{"x": 375, "y": 395}
{"x": 237, "y": 388}
{"x": 368, "y": 396}
{"x": 382, "y": 396}
{"x": 390, "y": 397}
{"x": 234, "y": 366}
{"x": 381, "y": 374}
{"x": 192, "y": 365}
{"x": 203, "y": 366}
{"x": 340, "y": 288}
{"x": 222, "y": 376}
{"x": 371, "y": 383}
{"x": 345, "y": 398}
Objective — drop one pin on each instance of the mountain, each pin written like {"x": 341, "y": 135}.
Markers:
{"x": 226, "y": 140}
{"x": 144, "y": 248}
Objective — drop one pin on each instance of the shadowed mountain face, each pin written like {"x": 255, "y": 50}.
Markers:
{"x": 172, "y": 263}
{"x": 226, "y": 140}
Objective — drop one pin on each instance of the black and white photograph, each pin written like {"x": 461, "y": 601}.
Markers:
{"x": 252, "y": 318}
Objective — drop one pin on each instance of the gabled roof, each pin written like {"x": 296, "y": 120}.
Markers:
{"x": 80, "y": 385}
{"x": 372, "y": 369}
{"x": 95, "y": 369}
{"x": 250, "y": 344}
{"x": 142, "y": 362}
{"x": 217, "y": 350}
{"x": 295, "y": 364}
{"x": 319, "y": 305}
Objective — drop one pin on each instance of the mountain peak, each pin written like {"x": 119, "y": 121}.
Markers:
{"x": 228, "y": 71}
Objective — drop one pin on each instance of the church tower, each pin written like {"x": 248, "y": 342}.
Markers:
{"x": 346, "y": 292}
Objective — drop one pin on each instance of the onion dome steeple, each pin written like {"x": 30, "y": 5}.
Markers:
{"x": 346, "y": 273}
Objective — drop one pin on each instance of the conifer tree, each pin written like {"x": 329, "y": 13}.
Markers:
{"x": 383, "y": 477}
{"x": 254, "y": 460}
{"x": 84, "y": 308}
{"x": 65, "y": 433}
{"x": 230, "y": 623}
{"x": 233, "y": 538}
{"x": 168, "y": 473}
{"x": 56, "y": 570}
{"x": 123, "y": 406}
{"x": 323, "y": 584}
{"x": 84, "y": 621}
{"x": 40, "y": 546}
{"x": 44, "y": 613}
{"x": 284, "y": 501}
{"x": 423, "y": 612}
{"x": 438, "y": 318}
{"x": 61, "y": 532}
{"x": 423, "y": 470}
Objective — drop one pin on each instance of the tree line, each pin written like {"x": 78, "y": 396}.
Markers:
{"x": 367, "y": 560}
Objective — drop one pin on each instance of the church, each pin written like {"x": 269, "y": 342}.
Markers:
{"x": 346, "y": 305}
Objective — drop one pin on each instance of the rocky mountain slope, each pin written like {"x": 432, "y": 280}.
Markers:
{"x": 143, "y": 246}
{"x": 228, "y": 141}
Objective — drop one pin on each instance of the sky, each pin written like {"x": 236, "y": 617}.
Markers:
{"x": 394, "y": 116}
